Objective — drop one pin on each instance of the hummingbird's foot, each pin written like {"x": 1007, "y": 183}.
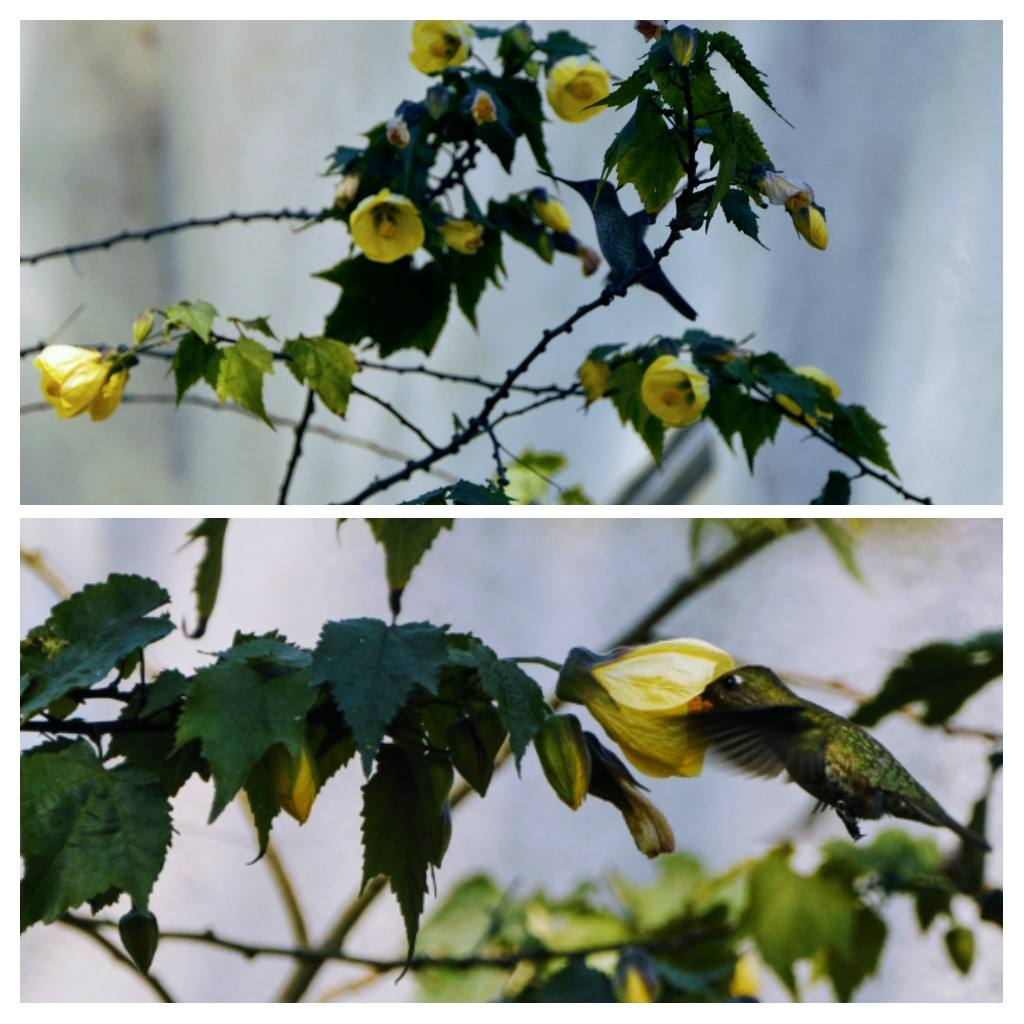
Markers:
{"x": 850, "y": 822}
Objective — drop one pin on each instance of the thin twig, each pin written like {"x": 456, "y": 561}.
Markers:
{"x": 496, "y": 450}
{"x": 292, "y": 907}
{"x": 90, "y": 928}
{"x": 559, "y": 396}
{"x": 300, "y": 430}
{"x": 146, "y": 234}
{"x": 388, "y": 407}
{"x": 34, "y": 562}
{"x": 460, "y": 378}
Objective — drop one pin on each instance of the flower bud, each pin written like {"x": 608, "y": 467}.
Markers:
{"x": 682, "y": 44}
{"x": 636, "y": 980}
{"x": 610, "y": 780}
{"x": 776, "y": 187}
{"x": 140, "y": 935}
{"x": 745, "y": 982}
{"x": 463, "y": 236}
{"x": 551, "y": 213}
{"x": 642, "y": 697}
{"x": 474, "y": 743}
{"x": 809, "y": 220}
{"x": 397, "y": 132}
{"x": 794, "y": 412}
{"x": 440, "y": 777}
{"x": 675, "y": 391}
{"x": 437, "y": 100}
{"x": 75, "y": 379}
{"x": 590, "y": 258}
{"x": 293, "y": 780}
{"x": 142, "y": 327}
{"x": 960, "y": 947}
{"x": 650, "y": 29}
{"x": 483, "y": 109}
{"x": 594, "y": 376}
{"x": 564, "y": 757}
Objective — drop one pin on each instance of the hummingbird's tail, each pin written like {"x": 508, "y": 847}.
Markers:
{"x": 928, "y": 810}
{"x": 657, "y": 282}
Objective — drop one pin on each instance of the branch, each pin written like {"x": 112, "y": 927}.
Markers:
{"x": 80, "y": 727}
{"x": 293, "y": 459}
{"x": 388, "y": 407}
{"x": 90, "y": 928}
{"x": 459, "y": 378}
{"x": 461, "y": 164}
{"x": 182, "y": 225}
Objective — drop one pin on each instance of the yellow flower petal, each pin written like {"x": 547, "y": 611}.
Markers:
{"x": 386, "y": 227}
{"x": 71, "y": 377}
{"x": 674, "y": 391}
{"x": 550, "y": 211}
{"x": 109, "y": 397}
{"x": 463, "y": 236}
{"x": 437, "y": 45}
{"x": 574, "y": 83}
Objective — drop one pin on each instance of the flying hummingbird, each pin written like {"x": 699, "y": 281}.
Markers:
{"x": 621, "y": 240}
{"x": 760, "y": 726}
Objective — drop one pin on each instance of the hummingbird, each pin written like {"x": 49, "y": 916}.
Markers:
{"x": 756, "y": 723}
{"x": 620, "y": 237}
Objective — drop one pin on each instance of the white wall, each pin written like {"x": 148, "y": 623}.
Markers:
{"x": 538, "y": 587}
{"x": 898, "y": 129}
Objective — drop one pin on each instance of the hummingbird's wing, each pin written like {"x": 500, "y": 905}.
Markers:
{"x": 764, "y": 741}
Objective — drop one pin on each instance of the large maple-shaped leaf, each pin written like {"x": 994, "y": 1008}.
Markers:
{"x": 372, "y": 668}
{"x": 242, "y": 706}
{"x": 404, "y": 829}
{"x": 86, "y": 830}
{"x": 87, "y": 635}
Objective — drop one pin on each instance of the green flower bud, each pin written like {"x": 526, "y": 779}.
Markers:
{"x": 521, "y": 36}
{"x": 564, "y": 757}
{"x": 636, "y": 981}
{"x": 140, "y": 935}
{"x": 960, "y": 946}
{"x": 142, "y": 327}
{"x": 437, "y": 100}
{"x": 439, "y": 777}
{"x": 682, "y": 44}
{"x": 474, "y": 743}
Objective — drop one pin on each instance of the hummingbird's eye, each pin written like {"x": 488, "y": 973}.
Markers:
{"x": 732, "y": 681}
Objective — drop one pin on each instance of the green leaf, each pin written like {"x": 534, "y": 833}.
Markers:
{"x": 574, "y": 495}
{"x": 194, "y": 361}
{"x": 521, "y": 98}
{"x": 472, "y": 273}
{"x": 750, "y": 149}
{"x": 207, "y": 581}
{"x": 403, "y": 829}
{"x": 405, "y": 542}
{"x": 372, "y": 668}
{"x": 559, "y": 44}
{"x": 341, "y": 158}
{"x": 859, "y": 433}
{"x": 256, "y": 696}
{"x": 87, "y": 635}
{"x": 843, "y": 544}
{"x": 260, "y": 324}
{"x": 574, "y": 983}
{"x": 652, "y": 161}
{"x": 515, "y": 217}
{"x": 463, "y": 493}
{"x": 327, "y": 366}
{"x": 519, "y": 699}
{"x": 395, "y": 305}
{"x": 624, "y": 386}
{"x": 942, "y": 676}
{"x": 960, "y": 947}
{"x": 734, "y": 412}
{"x": 240, "y": 375}
{"x": 736, "y": 207}
{"x": 529, "y": 475}
{"x": 86, "y": 830}
{"x": 836, "y": 490}
{"x": 849, "y": 966}
{"x": 629, "y": 89}
{"x": 732, "y": 50}
{"x": 192, "y": 316}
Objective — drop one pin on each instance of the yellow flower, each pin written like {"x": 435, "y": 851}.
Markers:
{"x": 674, "y": 391}
{"x": 75, "y": 379}
{"x": 293, "y": 780}
{"x": 551, "y": 212}
{"x": 819, "y": 377}
{"x": 745, "y": 982}
{"x": 386, "y": 227}
{"x": 642, "y": 697}
{"x": 808, "y": 219}
{"x": 483, "y": 109}
{"x": 574, "y": 83}
{"x": 463, "y": 236}
{"x": 594, "y": 376}
{"x": 437, "y": 45}
{"x": 778, "y": 189}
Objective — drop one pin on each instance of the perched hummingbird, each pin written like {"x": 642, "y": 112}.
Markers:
{"x": 621, "y": 239}
{"x": 755, "y": 722}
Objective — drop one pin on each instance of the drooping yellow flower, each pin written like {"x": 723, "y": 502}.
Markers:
{"x": 437, "y": 45}
{"x": 778, "y": 189}
{"x": 386, "y": 227}
{"x": 550, "y": 211}
{"x": 75, "y": 379}
{"x": 574, "y": 83}
{"x": 745, "y": 983}
{"x": 674, "y": 391}
{"x": 463, "y": 236}
{"x": 642, "y": 697}
{"x": 793, "y": 411}
{"x": 293, "y": 780}
{"x": 808, "y": 219}
{"x": 483, "y": 109}
{"x": 594, "y": 376}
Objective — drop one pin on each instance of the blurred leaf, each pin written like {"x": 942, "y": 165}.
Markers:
{"x": 529, "y": 475}
{"x": 836, "y": 490}
{"x": 960, "y": 946}
{"x": 842, "y": 542}
{"x": 208, "y": 572}
{"x": 849, "y": 966}
{"x": 943, "y": 676}
{"x": 575, "y": 983}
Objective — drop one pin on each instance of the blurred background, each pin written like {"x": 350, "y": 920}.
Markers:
{"x": 898, "y": 128}
{"x": 539, "y": 588}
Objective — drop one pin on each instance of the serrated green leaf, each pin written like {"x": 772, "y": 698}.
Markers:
{"x": 395, "y": 305}
{"x": 624, "y": 389}
{"x": 405, "y": 542}
{"x": 208, "y": 572}
{"x": 193, "y": 316}
{"x": 652, "y": 161}
{"x": 629, "y": 89}
{"x": 194, "y": 361}
{"x": 372, "y": 668}
{"x": 240, "y": 375}
{"x": 736, "y": 207}
{"x": 240, "y": 707}
{"x": 87, "y": 635}
{"x": 859, "y": 433}
{"x": 403, "y": 827}
{"x": 462, "y": 493}
{"x": 86, "y": 830}
{"x": 327, "y": 366}
{"x": 734, "y": 412}
{"x": 515, "y": 217}
{"x": 732, "y": 50}
{"x": 471, "y": 273}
